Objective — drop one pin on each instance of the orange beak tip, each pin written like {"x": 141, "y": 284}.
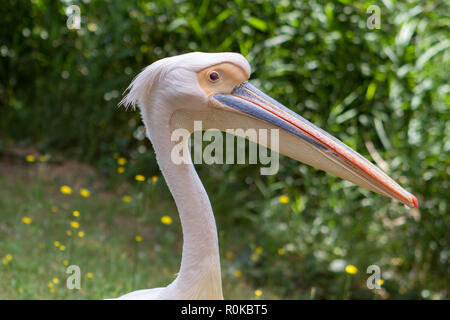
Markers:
{"x": 416, "y": 203}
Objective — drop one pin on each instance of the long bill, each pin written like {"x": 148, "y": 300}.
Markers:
{"x": 305, "y": 142}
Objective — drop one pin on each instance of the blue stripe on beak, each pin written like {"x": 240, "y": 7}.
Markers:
{"x": 252, "y": 109}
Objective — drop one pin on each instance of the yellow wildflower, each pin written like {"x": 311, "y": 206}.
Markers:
{"x": 138, "y": 239}
{"x": 4, "y": 261}
{"x": 9, "y": 257}
{"x": 154, "y": 178}
{"x": 66, "y": 190}
{"x": 351, "y": 269}
{"x": 27, "y": 220}
{"x": 258, "y": 293}
{"x": 92, "y": 27}
{"x": 69, "y": 232}
{"x": 52, "y": 290}
{"x": 380, "y": 282}
{"x": 51, "y": 285}
{"x": 120, "y": 170}
{"x": 62, "y": 247}
{"x": 281, "y": 251}
{"x": 139, "y": 177}
{"x": 284, "y": 199}
{"x": 76, "y": 213}
{"x": 85, "y": 193}
{"x": 238, "y": 273}
{"x": 81, "y": 234}
{"x": 229, "y": 255}
{"x": 55, "y": 280}
{"x": 166, "y": 220}
{"x": 126, "y": 199}
{"x": 66, "y": 262}
{"x": 90, "y": 275}
{"x": 56, "y": 243}
{"x": 259, "y": 250}
{"x": 75, "y": 224}
{"x": 30, "y": 158}
{"x": 20, "y": 290}
{"x": 121, "y": 161}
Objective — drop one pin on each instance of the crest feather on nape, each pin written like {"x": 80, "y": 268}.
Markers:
{"x": 139, "y": 89}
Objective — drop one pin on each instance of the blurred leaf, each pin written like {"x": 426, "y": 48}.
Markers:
{"x": 382, "y": 134}
{"x": 432, "y": 51}
{"x": 276, "y": 41}
{"x": 257, "y": 24}
{"x": 347, "y": 115}
{"x": 371, "y": 91}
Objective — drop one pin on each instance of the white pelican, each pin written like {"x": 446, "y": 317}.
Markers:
{"x": 173, "y": 92}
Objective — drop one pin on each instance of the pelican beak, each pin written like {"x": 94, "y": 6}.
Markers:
{"x": 305, "y": 142}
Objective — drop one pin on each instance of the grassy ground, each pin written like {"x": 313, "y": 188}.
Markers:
{"x": 125, "y": 235}
{"x": 119, "y": 242}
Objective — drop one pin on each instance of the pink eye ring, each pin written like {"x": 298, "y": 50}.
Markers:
{"x": 213, "y": 76}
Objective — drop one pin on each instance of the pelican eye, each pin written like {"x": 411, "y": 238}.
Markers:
{"x": 213, "y": 76}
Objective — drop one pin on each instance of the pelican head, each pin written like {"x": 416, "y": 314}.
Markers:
{"x": 214, "y": 88}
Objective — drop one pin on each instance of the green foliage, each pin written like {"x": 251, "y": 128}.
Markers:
{"x": 390, "y": 87}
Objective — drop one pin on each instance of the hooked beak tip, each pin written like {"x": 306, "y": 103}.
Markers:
{"x": 416, "y": 203}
